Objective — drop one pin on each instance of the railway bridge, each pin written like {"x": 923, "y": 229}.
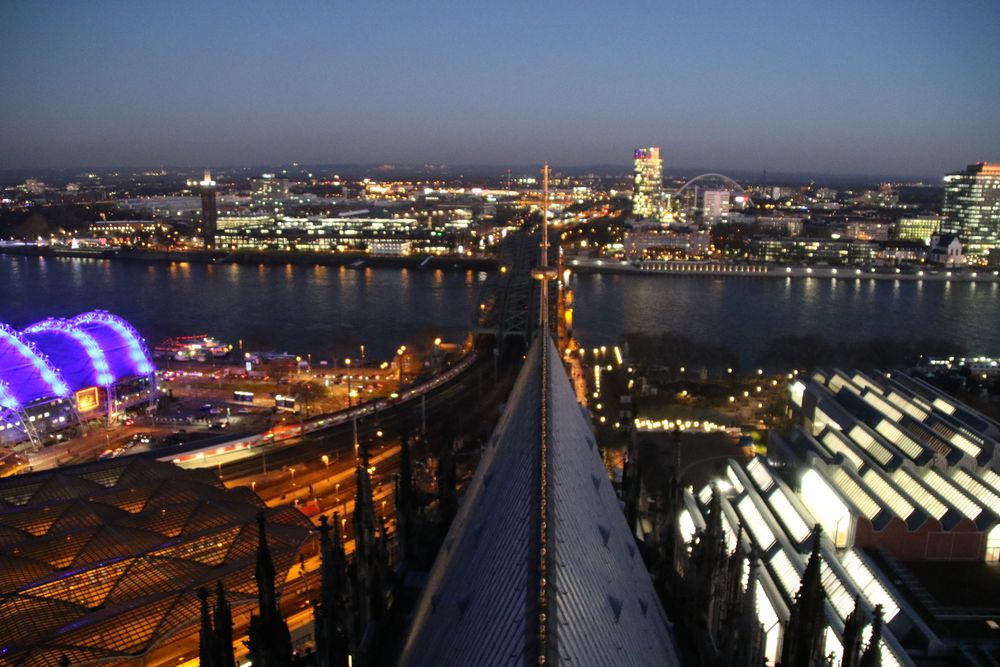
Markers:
{"x": 510, "y": 300}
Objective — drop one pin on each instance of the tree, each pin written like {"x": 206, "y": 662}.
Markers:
{"x": 308, "y": 392}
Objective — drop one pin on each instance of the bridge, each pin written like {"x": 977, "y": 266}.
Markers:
{"x": 510, "y": 300}
{"x": 731, "y": 183}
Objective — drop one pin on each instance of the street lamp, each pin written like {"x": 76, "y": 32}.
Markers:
{"x": 400, "y": 352}
{"x": 347, "y": 362}
{"x": 292, "y": 470}
{"x": 326, "y": 461}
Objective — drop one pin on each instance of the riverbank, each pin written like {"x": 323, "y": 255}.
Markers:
{"x": 330, "y": 312}
{"x": 352, "y": 260}
{"x": 681, "y": 268}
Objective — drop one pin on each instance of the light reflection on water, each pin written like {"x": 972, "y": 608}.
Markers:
{"x": 330, "y": 311}
{"x": 748, "y": 311}
{"x": 323, "y": 310}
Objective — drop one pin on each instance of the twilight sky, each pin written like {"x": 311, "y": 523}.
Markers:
{"x": 907, "y": 87}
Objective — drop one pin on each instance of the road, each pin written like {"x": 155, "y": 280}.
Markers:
{"x": 450, "y": 401}
{"x": 471, "y": 401}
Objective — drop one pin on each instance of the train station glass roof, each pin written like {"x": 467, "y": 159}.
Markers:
{"x": 101, "y": 562}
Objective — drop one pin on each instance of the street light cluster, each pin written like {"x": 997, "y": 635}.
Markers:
{"x": 643, "y": 424}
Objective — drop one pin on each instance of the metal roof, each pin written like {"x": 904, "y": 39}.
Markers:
{"x": 482, "y": 603}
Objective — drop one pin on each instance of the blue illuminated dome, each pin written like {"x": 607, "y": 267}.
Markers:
{"x": 125, "y": 349}
{"x": 7, "y": 399}
{"x": 55, "y": 357}
{"x": 26, "y": 372}
{"x": 76, "y": 353}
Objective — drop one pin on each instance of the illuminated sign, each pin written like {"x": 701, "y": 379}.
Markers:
{"x": 87, "y": 399}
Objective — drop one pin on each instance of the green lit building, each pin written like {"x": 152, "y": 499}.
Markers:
{"x": 918, "y": 228}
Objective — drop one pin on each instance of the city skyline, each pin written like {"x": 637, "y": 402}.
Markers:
{"x": 565, "y": 333}
{"x": 846, "y": 89}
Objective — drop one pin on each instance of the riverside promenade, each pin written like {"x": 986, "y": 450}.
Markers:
{"x": 698, "y": 268}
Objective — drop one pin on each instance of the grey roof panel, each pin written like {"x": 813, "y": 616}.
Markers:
{"x": 479, "y": 607}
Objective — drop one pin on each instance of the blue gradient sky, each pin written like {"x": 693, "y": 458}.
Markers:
{"x": 908, "y": 87}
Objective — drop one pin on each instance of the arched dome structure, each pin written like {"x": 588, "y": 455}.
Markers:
{"x": 26, "y": 372}
{"x": 7, "y": 399}
{"x": 124, "y": 347}
{"x": 77, "y": 355}
{"x": 56, "y": 357}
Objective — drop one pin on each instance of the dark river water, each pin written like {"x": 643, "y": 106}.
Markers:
{"x": 330, "y": 311}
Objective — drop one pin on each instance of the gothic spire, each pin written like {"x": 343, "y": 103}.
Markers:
{"x": 207, "y": 650}
{"x": 405, "y": 470}
{"x": 330, "y": 628}
{"x": 365, "y": 549}
{"x": 339, "y": 557}
{"x": 270, "y": 643}
{"x": 265, "y": 568}
{"x": 404, "y": 498}
{"x": 853, "y": 625}
{"x": 803, "y": 640}
{"x": 223, "y": 628}
{"x": 748, "y": 639}
{"x": 872, "y": 657}
{"x": 446, "y": 477}
{"x": 328, "y": 584}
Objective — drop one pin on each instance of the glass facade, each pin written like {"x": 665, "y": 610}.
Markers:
{"x": 972, "y": 207}
{"x": 102, "y": 562}
{"x": 918, "y": 228}
{"x": 647, "y": 196}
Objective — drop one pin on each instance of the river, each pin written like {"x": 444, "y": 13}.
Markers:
{"x": 330, "y": 312}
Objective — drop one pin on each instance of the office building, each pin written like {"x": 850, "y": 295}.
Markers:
{"x": 866, "y": 230}
{"x": 648, "y": 241}
{"x": 919, "y": 228}
{"x": 647, "y": 195}
{"x": 715, "y": 206}
{"x": 376, "y": 236}
{"x": 972, "y": 207}
{"x": 813, "y": 250}
{"x": 268, "y": 194}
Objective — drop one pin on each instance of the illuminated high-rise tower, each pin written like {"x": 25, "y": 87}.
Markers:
{"x": 972, "y": 207}
{"x": 209, "y": 210}
{"x": 647, "y": 195}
